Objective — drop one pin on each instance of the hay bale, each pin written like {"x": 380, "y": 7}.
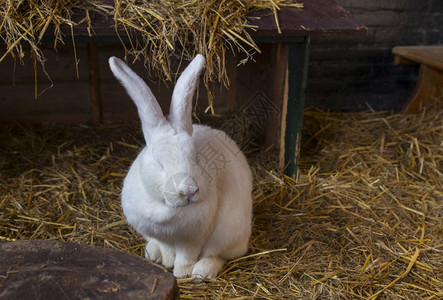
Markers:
{"x": 38, "y": 269}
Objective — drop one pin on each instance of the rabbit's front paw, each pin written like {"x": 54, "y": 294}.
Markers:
{"x": 168, "y": 255}
{"x": 208, "y": 267}
{"x": 181, "y": 271}
{"x": 152, "y": 251}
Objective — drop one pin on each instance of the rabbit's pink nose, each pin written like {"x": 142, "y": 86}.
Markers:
{"x": 191, "y": 194}
{"x": 189, "y": 189}
{"x": 181, "y": 189}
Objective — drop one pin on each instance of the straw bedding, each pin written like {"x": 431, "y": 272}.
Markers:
{"x": 364, "y": 219}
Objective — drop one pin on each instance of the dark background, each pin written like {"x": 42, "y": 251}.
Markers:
{"x": 354, "y": 72}
{"x": 347, "y": 73}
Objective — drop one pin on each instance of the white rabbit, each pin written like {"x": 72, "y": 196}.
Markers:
{"x": 188, "y": 192}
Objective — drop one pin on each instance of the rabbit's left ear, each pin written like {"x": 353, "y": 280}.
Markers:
{"x": 149, "y": 110}
{"x": 180, "y": 112}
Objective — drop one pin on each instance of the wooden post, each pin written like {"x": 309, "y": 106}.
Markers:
{"x": 288, "y": 92}
{"x": 233, "y": 86}
{"x": 274, "y": 134}
{"x": 94, "y": 84}
{"x": 298, "y": 59}
{"x": 429, "y": 88}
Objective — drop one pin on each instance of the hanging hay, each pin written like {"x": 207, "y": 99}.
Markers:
{"x": 159, "y": 31}
{"x": 363, "y": 220}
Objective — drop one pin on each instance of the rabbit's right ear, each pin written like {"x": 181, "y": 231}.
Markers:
{"x": 180, "y": 112}
{"x": 149, "y": 110}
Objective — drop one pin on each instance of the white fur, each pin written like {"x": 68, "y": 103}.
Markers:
{"x": 188, "y": 192}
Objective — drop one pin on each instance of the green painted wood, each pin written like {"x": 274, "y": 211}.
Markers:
{"x": 298, "y": 59}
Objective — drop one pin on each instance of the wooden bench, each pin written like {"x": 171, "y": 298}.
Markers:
{"x": 430, "y": 81}
{"x": 290, "y": 50}
{"x": 288, "y": 66}
{"x": 291, "y": 59}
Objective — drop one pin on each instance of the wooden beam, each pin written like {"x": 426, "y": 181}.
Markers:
{"x": 94, "y": 84}
{"x": 298, "y": 59}
{"x": 233, "y": 85}
{"x": 279, "y": 66}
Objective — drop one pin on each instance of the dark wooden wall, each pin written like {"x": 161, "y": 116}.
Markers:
{"x": 67, "y": 98}
{"x": 345, "y": 72}
{"x": 357, "y": 72}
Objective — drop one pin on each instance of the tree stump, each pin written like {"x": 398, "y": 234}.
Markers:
{"x": 38, "y": 269}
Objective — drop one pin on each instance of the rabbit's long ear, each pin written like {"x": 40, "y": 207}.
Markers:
{"x": 149, "y": 110}
{"x": 180, "y": 112}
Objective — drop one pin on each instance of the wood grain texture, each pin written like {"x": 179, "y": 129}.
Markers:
{"x": 94, "y": 85}
{"x": 59, "y": 66}
{"x": 428, "y": 55}
{"x": 64, "y": 102}
{"x": 37, "y": 269}
{"x": 278, "y": 72}
{"x": 319, "y": 17}
{"x": 429, "y": 87}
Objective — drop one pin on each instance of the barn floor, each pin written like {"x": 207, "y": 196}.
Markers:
{"x": 363, "y": 220}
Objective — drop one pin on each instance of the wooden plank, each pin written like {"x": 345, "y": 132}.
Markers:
{"x": 298, "y": 59}
{"x": 64, "y": 102}
{"x": 61, "y": 97}
{"x": 66, "y": 118}
{"x": 319, "y": 17}
{"x": 429, "y": 88}
{"x": 60, "y": 66}
{"x": 232, "y": 92}
{"x": 398, "y": 60}
{"x": 282, "y": 161}
{"x": 278, "y": 73}
{"x": 94, "y": 85}
{"x": 117, "y": 106}
{"x": 428, "y": 55}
